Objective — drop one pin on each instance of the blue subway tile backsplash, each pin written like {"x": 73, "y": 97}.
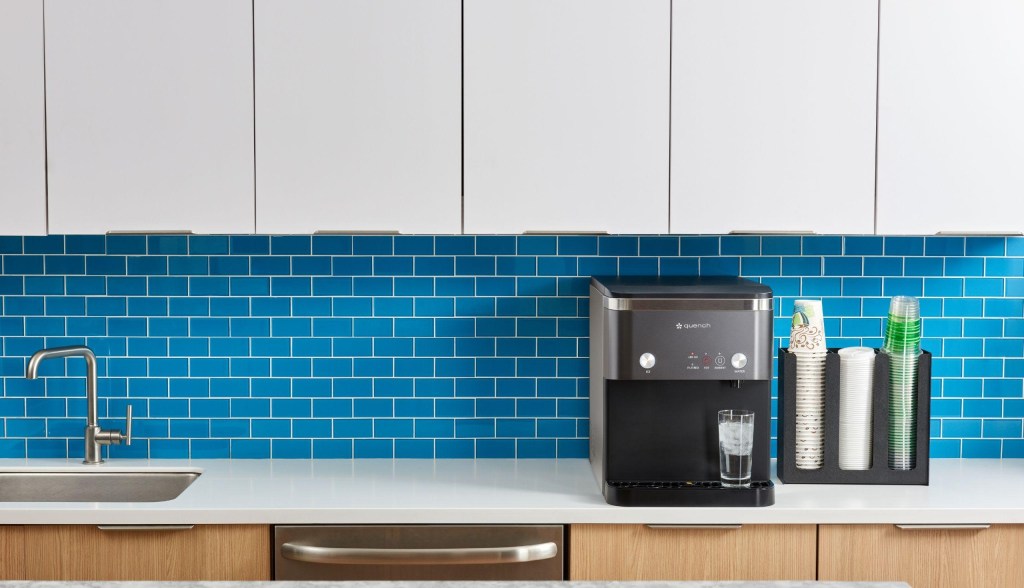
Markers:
{"x": 443, "y": 346}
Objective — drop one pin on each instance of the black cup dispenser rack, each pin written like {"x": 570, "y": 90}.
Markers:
{"x": 830, "y": 472}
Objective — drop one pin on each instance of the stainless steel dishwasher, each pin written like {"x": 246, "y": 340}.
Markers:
{"x": 419, "y": 552}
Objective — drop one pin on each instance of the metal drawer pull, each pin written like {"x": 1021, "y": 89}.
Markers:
{"x": 456, "y": 556}
{"x": 144, "y": 527}
{"x": 943, "y": 527}
{"x": 725, "y": 527}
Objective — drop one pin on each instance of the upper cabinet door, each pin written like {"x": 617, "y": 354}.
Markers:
{"x": 150, "y": 115}
{"x": 951, "y": 120}
{"x": 773, "y": 115}
{"x": 566, "y": 115}
{"x": 22, "y": 120}
{"x": 358, "y": 115}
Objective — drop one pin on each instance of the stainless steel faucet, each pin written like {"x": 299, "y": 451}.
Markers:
{"x": 94, "y": 435}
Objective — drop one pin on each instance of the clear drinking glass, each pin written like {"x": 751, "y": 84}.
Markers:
{"x": 735, "y": 446}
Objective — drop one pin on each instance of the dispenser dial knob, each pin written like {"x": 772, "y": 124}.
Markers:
{"x": 739, "y": 361}
{"x": 647, "y": 361}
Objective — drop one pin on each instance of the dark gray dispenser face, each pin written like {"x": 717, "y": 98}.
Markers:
{"x": 666, "y": 355}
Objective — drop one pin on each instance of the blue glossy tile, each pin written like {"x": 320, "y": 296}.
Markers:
{"x": 208, "y": 244}
{"x": 732, "y": 245}
{"x": 698, "y": 246}
{"x": 494, "y": 245}
{"x": 980, "y": 448}
{"x": 923, "y": 266}
{"x": 434, "y": 266}
{"x": 44, "y": 244}
{"x": 55, "y": 285}
{"x": 679, "y": 265}
{"x": 801, "y": 266}
{"x": 336, "y": 286}
{"x": 618, "y": 246}
{"x": 226, "y": 266}
{"x": 944, "y": 246}
{"x": 536, "y": 245}
{"x": 883, "y": 266}
{"x": 577, "y": 245}
{"x": 332, "y": 244}
{"x": 454, "y": 245}
{"x": 965, "y": 266}
{"x": 719, "y": 266}
{"x": 822, "y": 245}
{"x": 780, "y": 245}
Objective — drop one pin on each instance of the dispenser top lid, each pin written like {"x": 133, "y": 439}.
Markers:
{"x": 679, "y": 287}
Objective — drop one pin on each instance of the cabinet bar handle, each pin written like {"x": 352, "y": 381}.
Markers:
{"x": 151, "y": 232}
{"x": 979, "y": 233}
{"x": 470, "y": 555}
{"x": 356, "y": 232}
{"x": 543, "y": 232}
{"x": 724, "y": 527}
{"x": 144, "y": 527}
{"x": 943, "y": 527}
{"x": 769, "y": 232}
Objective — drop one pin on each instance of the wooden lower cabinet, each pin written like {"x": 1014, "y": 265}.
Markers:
{"x": 930, "y": 558}
{"x": 641, "y": 552}
{"x": 12, "y": 552}
{"x": 84, "y": 552}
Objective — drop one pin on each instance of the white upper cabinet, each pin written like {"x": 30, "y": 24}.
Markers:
{"x": 566, "y": 115}
{"x": 358, "y": 115}
{"x": 22, "y": 120}
{"x": 773, "y": 115}
{"x": 150, "y": 115}
{"x": 951, "y": 116}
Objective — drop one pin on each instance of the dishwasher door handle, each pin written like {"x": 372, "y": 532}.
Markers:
{"x": 399, "y": 556}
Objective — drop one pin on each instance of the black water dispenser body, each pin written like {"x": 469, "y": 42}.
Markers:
{"x": 666, "y": 354}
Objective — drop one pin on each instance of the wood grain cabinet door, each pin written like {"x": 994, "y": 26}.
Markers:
{"x": 924, "y": 558}
{"x": 204, "y": 552}
{"x": 639, "y": 552}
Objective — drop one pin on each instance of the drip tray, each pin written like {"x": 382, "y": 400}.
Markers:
{"x": 688, "y": 493}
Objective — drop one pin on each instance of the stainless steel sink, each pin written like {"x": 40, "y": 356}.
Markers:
{"x": 94, "y": 486}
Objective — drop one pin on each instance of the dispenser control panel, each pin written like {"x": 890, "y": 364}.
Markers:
{"x": 722, "y": 345}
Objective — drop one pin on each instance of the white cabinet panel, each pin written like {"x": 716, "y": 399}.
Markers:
{"x": 22, "y": 120}
{"x": 951, "y": 116}
{"x": 566, "y": 115}
{"x": 773, "y": 115}
{"x": 150, "y": 115}
{"x": 358, "y": 115}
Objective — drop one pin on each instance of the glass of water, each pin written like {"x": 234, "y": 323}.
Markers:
{"x": 735, "y": 446}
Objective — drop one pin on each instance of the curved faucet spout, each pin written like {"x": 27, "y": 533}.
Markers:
{"x": 92, "y": 428}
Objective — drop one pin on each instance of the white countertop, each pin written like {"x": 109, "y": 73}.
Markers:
{"x": 508, "y": 491}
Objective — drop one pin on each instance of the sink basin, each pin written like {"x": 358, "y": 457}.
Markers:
{"x": 63, "y": 485}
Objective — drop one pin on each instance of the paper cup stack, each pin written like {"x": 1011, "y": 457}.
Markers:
{"x": 856, "y": 375}
{"x": 807, "y": 342}
{"x": 903, "y": 346}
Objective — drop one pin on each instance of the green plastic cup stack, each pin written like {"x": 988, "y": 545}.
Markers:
{"x": 903, "y": 346}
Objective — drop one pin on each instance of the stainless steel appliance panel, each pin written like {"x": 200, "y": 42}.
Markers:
{"x": 419, "y": 552}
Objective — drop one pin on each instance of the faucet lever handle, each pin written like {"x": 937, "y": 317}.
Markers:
{"x": 127, "y": 436}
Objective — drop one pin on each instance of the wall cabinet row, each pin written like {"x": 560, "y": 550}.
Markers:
{"x": 503, "y": 116}
{"x": 935, "y": 557}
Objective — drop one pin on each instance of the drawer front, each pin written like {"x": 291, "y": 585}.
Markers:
{"x": 951, "y": 556}
{"x": 680, "y": 552}
{"x": 418, "y": 552}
